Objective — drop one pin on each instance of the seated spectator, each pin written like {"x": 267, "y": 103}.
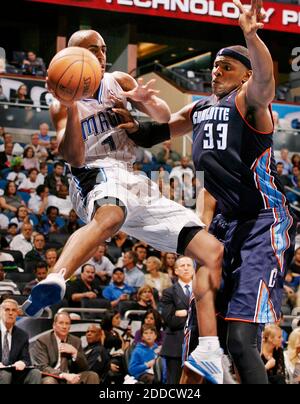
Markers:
{"x": 40, "y": 272}
{"x": 167, "y": 156}
{"x": 145, "y": 299}
{"x": 86, "y": 286}
{"x": 29, "y": 159}
{"x": 54, "y": 180}
{"x": 12, "y": 231}
{"x": 104, "y": 267}
{"x": 40, "y": 151}
{"x": 50, "y": 224}
{"x": 72, "y": 223}
{"x": 141, "y": 364}
{"x": 6, "y": 156}
{"x": 44, "y": 138}
{"x": 295, "y": 160}
{"x": 97, "y": 356}
{"x": 285, "y": 160}
{"x": 60, "y": 357}
{"x": 168, "y": 265}
{"x": 10, "y": 201}
{"x": 16, "y": 175}
{"x": 22, "y": 217}
{"x": 141, "y": 252}
{"x": 152, "y": 318}
{"x": 53, "y": 153}
{"x": 118, "y": 245}
{"x": 34, "y": 65}
{"x": 117, "y": 291}
{"x": 22, "y": 242}
{"x": 272, "y": 354}
{"x": 38, "y": 202}
{"x": 156, "y": 279}
{"x": 284, "y": 178}
{"x": 14, "y": 350}
{"x": 292, "y": 357}
{"x": 22, "y": 96}
{"x": 133, "y": 276}
{"x": 51, "y": 258}
{"x": 7, "y": 286}
{"x": 62, "y": 201}
{"x": 30, "y": 183}
{"x": 37, "y": 254}
{"x": 17, "y": 150}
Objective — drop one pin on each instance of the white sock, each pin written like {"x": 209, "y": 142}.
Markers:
{"x": 209, "y": 344}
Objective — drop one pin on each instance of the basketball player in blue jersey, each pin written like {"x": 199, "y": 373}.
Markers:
{"x": 108, "y": 195}
{"x": 232, "y": 133}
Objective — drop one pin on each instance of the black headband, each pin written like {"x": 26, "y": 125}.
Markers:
{"x": 235, "y": 55}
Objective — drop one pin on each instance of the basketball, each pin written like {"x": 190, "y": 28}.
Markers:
{"x": 74, "y": 73}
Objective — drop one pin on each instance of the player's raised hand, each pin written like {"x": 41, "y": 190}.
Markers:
{"x": 128, "y": 122}
{"x": 251, "y": 19}
{"x": 143, "y": 93}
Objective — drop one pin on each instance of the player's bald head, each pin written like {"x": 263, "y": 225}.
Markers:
{"x": 79, "y": 38}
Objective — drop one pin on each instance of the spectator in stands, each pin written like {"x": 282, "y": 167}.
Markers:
{"x": 284, "y": 158}
{"x": 97, "y": 356}
{"x": 168, "y": 265}
{"x": 155, "y": 278}
{"x": 40, "y": 151}
{"x": 175, "y": 305}
{"x": 40, "y": 272}
{"x": 117, "y": 291}
{"x": 50, "y": 224}
{"x": 51, "y": 258}
{"x": 22, "y": 96}
{"x": 60, "y": 355}
{"x": 284, "y": 178}
{"x": 295, "y": 160}
{"x": 72, "y": 224}
{"x": 22, "y": 217}
{"x": 10, "y": 201}
{"x": 118, "y": 245}
{"x": 44, "y": 138}
{"x": 30, "y": 183}
{"x": 103, "y": 266}
{"x": 141, "y": 364}
{"x": 14, "y": 348}
{"x": 29, "y": 159}
{"x": 7, "y": 286}
{"x": 167, "y": 156}
{"x": 12, "y": 231}
{"x": 62, "y": 201}
{"x": 38, "y": 202}
{"x": 56, "y": 178}
{"x": 43, "y": 172}
{"x": 86, "y": 286}
{"x": 34, "y": 65}
{"x": 272, "y": 354}
{"x": 141, "y": 252}
{"x": 153, "y": 318}
{"x": 22, "y": 242}
{"x": 16, "y": 175}
{"x": 133, "y": 276}
{"x": 295, "y": 175}
{"x": 53, "y": 153}
{"x": 295, "y": 265}
{"x": 17, "y": 150}
{"x": 183, "y": 176}
{"x": 37, "y": 254}
{"x": 6, "y": 156}
{"x": 145, "y": 299}
{"x": 292, "y": 357}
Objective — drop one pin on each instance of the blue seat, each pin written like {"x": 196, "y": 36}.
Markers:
{"x": 34, "y": 219}
{"x": 24, "y": 195}
{"x": 3, "y": 184}
{"x": 5, "y": 172}
{"x": 50, "y": 167}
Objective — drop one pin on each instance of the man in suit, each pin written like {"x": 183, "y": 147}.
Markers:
{"x": 14, "y": 349}
{"x": 60, "y": 357}
{"x": 175, "y": 304}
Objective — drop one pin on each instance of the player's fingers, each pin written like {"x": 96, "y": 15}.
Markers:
{"x": 126, "y": 126}
{"x": 239, "y": 5}
{"x": 140, "y": 81}
{"x": 256, "y": 5}
{"x": 150, "y": 83}
{"x": 117, "y": 101}
{"x": 259, "y": 25}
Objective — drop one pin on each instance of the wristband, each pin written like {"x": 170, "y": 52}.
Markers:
{"x": 150, "y": 134}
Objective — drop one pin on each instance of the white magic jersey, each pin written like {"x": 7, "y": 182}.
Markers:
{"x": 104, "y": 143}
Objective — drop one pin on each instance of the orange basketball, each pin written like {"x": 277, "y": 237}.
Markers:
{"x": 74, "y": 73}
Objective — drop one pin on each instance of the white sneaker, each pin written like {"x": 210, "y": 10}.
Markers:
{"x": 47, "y": 292}
{"x": 207, "y": 364}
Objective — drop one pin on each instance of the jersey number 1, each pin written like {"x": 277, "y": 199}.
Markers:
{"x": 110, "y": 142}
{"x": 208, "y": 141}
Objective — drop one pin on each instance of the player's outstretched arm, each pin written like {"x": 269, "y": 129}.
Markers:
{"x": 260, "y": 88}
{"x": 144, "y": 97}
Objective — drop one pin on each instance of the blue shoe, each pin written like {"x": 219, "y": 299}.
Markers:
{"x": 207, "y": 364}
{"x": 47, "y": 292}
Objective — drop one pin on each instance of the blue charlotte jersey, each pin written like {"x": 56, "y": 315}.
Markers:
{"x": 237, "y": 160}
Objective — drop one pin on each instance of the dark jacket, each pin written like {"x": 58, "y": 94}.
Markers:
{"x": 19, "y": 347}
{"x": 173, "y": 299}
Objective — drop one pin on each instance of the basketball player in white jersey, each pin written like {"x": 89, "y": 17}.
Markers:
{"x": 108, "y": 196}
